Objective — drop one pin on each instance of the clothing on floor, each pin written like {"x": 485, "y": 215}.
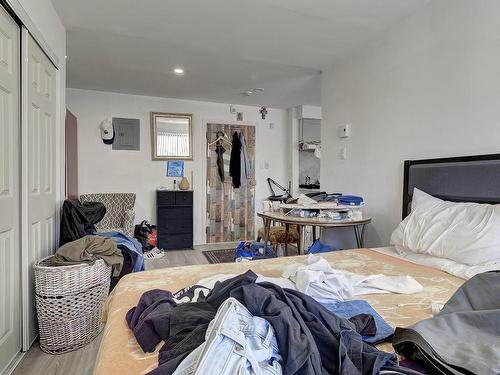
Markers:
{"x": 131, "y": 243}
{"x": 236, "y": 343}
{"x": 129, "y": 258}
{"x": 235, "y": 163}
{"x": 78, "y": 219}
{"x": 316, "y": 278}
{"x": 245, "y": 162}
{"x": 311, "y": 339}
{"x": 350, "y": 309}
{"x": 464, "y": 337}
{"x": 87, "y": 250}
{"x": 220, "y": 150}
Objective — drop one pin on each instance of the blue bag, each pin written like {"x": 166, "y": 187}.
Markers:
{"x": 350, "y": 200}
{"x": 319, "y": 247}
{"x": 252, "y": 250}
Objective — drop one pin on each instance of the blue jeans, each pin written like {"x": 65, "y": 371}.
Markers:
{"x": 236, "y": 343}
{"x": 348, "y": 309}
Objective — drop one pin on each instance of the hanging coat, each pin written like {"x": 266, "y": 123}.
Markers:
{"x": 78, "y": 219}
{"x": 219, "y": 150}
{"x": 245, "y": 162}
{"x": 235, "y": 163}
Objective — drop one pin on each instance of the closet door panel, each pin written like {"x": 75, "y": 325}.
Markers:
{"x": 41, "y": 199}
{"x": 10, "y": 251}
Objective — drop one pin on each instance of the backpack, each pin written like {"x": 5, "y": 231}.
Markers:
{"x": 146, "y": 234}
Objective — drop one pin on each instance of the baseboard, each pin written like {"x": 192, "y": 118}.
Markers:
{"x": 13, "y": 364}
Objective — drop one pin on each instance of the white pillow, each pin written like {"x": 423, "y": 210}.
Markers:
{"x": 468, "y": 233}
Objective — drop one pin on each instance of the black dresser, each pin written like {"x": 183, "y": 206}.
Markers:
{"x": 174, "y": 210}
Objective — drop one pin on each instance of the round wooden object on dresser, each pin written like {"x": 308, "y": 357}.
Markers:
{"x": 184, "y": 184}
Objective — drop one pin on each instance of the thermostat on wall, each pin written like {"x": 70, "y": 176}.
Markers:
{"x": 344, "y": 131}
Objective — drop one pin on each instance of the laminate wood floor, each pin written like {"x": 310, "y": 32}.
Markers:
{"x": 81, "y": 362}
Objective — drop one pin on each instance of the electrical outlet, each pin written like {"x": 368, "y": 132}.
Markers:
{"x": 344, "y": 131}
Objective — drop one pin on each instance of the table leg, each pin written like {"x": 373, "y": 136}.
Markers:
{"x": 362, "y": 236}
{"x": 287, "y": 231}
{"x": 314, "y": 234}
{"x": 301, "y": 237}
{"x": 267, "y": 229}
{"x": 359, "y": 234}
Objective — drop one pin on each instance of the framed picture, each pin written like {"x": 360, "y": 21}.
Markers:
{"x": 171, "y": 136}
{"x": 175, "y": 168}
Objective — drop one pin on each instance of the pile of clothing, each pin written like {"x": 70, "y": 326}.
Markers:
{"x": 118, "y": 250}
{"x": 79, "y": 219}
{"x": 250, "y": 324}
{"x": 80, "y": 242}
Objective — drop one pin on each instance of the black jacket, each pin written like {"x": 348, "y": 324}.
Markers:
{"x": 78, "y": 219}
{"x": 311, "y": 339}
{"x": 235, "y": 162}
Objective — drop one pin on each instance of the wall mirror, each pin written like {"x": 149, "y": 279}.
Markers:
{"x": 171, "y": 136}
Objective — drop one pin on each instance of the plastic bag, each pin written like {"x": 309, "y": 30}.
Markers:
{"x": 146, "y": 234}
{"x": 252, "y": 250}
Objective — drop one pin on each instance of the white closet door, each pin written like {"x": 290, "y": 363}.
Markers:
{"x": 10, "y": 250}
{"x": 39, "y": 214}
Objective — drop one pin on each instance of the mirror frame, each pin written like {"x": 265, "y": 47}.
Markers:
{"x": 189, "y": 117}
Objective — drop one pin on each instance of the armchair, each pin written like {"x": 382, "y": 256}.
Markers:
{"x": 120, "y": 212}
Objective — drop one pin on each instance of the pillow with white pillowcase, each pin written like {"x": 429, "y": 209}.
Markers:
{"x": 467, "y": 233}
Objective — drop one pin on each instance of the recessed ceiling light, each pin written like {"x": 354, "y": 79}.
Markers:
{"x": 250, "y": 92}
{"x": 179, "y": 71}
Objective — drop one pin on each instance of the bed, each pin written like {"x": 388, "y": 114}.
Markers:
{"x": 469, "y": 179}
{"x": 120, "y": 354}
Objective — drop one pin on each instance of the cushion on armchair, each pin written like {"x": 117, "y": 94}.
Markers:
{"x": 119, "y": 211}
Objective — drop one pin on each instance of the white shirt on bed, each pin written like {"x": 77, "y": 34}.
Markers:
{"x": 316, "y": 278}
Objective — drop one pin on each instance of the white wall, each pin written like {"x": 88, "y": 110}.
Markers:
{"x": 45, "y": 18}
{"x": 429, "y": 87}
{"x": 100, "y": 169}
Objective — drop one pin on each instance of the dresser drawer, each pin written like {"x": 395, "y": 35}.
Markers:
{"x": 175, "y": 219}
{"x": 175, "y": 241}
{"x": 183, "y": 198}
{"x": 165, "y": 198}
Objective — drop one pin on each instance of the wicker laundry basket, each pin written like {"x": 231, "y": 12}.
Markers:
{"x": 69, "y": 303}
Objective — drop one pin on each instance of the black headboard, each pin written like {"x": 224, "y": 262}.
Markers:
{"x": 457, "y": 179}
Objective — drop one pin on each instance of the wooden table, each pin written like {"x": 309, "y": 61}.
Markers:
{"x": 358, "y": 226}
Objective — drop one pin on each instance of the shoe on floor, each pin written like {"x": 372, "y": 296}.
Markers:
{"x": 154, "y": 254}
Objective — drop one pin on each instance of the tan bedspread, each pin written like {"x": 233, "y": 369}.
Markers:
{"x": 120, "y": 354}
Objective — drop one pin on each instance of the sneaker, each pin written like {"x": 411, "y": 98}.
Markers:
{"x": 154, "y": 253}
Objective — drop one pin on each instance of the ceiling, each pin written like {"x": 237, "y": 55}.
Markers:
{"x": 225, "y": 46}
